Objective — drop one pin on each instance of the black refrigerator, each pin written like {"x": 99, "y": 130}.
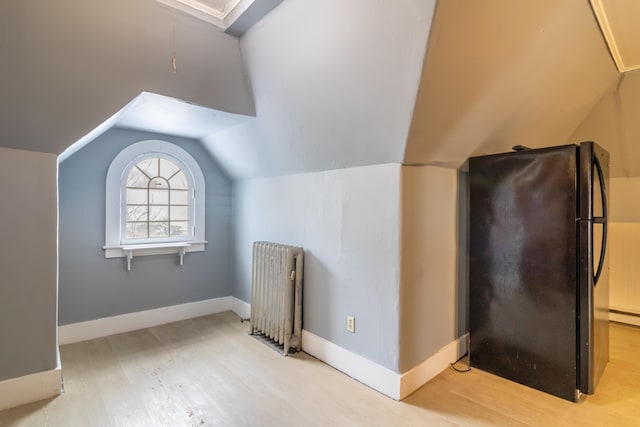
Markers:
{"x": 538, "y": 267}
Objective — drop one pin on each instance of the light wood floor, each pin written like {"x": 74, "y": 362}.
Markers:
{"x": 209, "y": 372}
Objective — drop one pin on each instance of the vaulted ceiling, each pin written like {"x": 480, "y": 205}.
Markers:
{"x": 320, "y": 85}
{"x": 501, "y": 73}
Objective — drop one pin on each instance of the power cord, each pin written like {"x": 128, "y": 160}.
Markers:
{"x": 453, "y": 365}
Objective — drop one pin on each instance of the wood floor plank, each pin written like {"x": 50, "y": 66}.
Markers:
{"x": 209, "y": 372}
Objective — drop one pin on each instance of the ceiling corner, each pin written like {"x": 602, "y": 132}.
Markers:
{"x": 618, "y": 23}
{"x": 234, "y": 17}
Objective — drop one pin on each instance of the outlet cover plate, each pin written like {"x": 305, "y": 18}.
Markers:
{"x": 351, "y": 324}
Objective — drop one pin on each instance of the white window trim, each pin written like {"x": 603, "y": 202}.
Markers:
{"x": 114, "y": 246}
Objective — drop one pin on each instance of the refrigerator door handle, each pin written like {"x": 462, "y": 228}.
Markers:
{"x": 601, "y": 220}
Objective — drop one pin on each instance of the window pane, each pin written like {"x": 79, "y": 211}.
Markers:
{"x": 179, "y": 197}
{"x": 136, "y": 197}
{"x": 136, "y": 230}
{"x": 159, "y": 183}
{"x": 136, "y": 213}
{"x": 179, "y": 181}
{"x": 179, "y": 213}
{"x": 158, "y": 229}
{"x": 137, "y": 178}
{"x": 158, "y": 197}
{"x": 167, "y": 168}
{"x": 179, "y": 228}
{"x": 149, "y": 167}
{"x": 158, "y": 213}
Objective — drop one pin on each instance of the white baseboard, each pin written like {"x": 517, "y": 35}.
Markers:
{"x": 30, "y": 388}
{"x": 97, "y": 328}
{"x": 396, "y": 386}
{"x": 367, "y": 372}
{"x": 241, "y": 308}
{"x": 420, "y": 374}
{"x": 629, "y": 319}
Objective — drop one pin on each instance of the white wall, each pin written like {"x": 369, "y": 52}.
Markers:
{"x": 428, "y": 292}
{"x": 28, "y": 284}
{"x": 348, "y": 222}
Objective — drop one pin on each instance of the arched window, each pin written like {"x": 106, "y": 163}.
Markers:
{"x": 154, "y": 202}
{"x": 157, "y": 200}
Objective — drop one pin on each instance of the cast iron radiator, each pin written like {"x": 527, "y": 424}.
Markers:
{"x": 276, "y": 294}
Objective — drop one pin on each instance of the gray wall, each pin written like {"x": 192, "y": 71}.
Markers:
{"x": 92, "y": 286}
{"x": 348, "y": 222}
{"x": 27, "y": 263}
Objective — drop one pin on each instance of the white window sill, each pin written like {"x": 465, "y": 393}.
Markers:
{"x": 145, "y": 249}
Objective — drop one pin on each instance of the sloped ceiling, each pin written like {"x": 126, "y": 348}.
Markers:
{"x": 495, "y": 74}
{"x": 163, "y": 115}
{"x": 68, "y": 65}
{"x": 500, "y": 73}
{"x": 334, "y": 84}
{"x": 335, "y": 95}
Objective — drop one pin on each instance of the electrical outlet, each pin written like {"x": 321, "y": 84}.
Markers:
{"x": 351, "y": 324}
